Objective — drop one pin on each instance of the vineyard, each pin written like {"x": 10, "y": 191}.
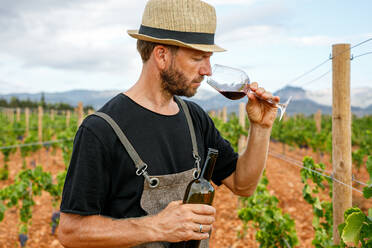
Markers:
{"x": 292, "y": 206}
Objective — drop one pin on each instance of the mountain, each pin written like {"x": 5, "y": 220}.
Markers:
{"x": 306, "y": 102}
{"x": 360, "y": 97}
{"x": 296, "y": 93}
{"x": 88, "y": 97}
{"x": 309, "y": 102}
{"x": 302, "y": 101}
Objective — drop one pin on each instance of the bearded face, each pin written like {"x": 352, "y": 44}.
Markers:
{"x": 175, "y": 82}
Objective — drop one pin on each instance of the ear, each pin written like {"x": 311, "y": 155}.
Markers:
{"x": 162, "y": 56}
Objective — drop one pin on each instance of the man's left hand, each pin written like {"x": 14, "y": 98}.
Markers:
{"x": 258, "y": 109}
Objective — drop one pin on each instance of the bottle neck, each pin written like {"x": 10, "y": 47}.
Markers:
{"x": 208, "y": 167}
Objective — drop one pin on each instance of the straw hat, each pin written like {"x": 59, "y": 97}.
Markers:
{"x": 186, "y": 23}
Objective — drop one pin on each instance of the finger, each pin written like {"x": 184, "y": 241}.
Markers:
{"x": 254, "y": 86}
{"x": 202, "y": 228}
{"x": 260, "y": 91}
{"x": 276, "y": 99}
{"x": 199, "y": 236}
{"x": 251, "y": 97}
{"x": 203, "y": 219}
{"x": 175, "y": 203}
{"x": 201, "y": 209}
{"x": 267, "y": 95}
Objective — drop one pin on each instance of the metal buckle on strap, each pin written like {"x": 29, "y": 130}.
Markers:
{"x": 196, "y": 173}
{"x": 141, "y": 170}
{"x": 153, "y": 182}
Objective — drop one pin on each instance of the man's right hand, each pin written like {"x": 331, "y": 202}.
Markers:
{"x": 181, "y": 222}
{"x": 177, "y": 222}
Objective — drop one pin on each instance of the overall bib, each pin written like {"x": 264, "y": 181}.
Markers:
{"x": 159, "y": 191}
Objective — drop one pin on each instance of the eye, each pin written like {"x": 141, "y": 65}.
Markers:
{"x": 198, "y": 58}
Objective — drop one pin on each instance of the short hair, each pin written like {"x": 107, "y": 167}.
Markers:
{"x": 145, "y": 48}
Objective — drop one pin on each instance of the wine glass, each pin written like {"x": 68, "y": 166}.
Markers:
{"x": 234, "y": 84}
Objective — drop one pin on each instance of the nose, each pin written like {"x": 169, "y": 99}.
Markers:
{"x": 205, "y": 69}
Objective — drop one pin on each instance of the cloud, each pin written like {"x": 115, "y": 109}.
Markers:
{"x": 257, "y": 24}
{"x": 324, "y": 40}
{"x": 270, "y": 14}
{"x": 14, "y": 86}
{"x": 316, "y": 40}
{"x": 252, "y": 34}
{"x": 82, "y": 43}
{"x": 78, "y": 35}
{"x": 90, "y": 35}
{"x": 230, "y": 2}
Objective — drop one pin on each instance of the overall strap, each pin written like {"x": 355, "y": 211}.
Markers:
{"x": 195, "y": 152}
{"x": 140, "y": 165}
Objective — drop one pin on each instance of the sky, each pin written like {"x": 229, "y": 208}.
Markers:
{"x": 55, "y": 45}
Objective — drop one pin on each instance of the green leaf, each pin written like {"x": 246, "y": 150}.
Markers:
{"x": 2, "y": 211}
{"x": 367, "y": 231}
{"x": 316, "y": 221}
{"x": 341, "y": 228}
{"x": 317, "y": 204}
{"x": 353, "y": 226}
{"x": 369, "y": 167}
{"x": 23, "y": 229}
{"x": 350, "y": 211}
{"x": 367, "y": 192}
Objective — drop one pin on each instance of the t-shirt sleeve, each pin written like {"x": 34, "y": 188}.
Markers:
{"x": 87, "y": 180}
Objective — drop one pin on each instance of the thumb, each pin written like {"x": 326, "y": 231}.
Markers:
{"x": 175, "y": 203}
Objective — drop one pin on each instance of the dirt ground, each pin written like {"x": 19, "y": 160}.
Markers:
{"x": 284, "y": 183}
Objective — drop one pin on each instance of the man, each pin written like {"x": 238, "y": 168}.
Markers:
{"x": 126, "y": 180}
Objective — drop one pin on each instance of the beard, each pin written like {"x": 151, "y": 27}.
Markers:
{"x": 174, "y": 82}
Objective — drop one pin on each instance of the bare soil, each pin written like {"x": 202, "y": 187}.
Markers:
{"x": 284, "y": 183}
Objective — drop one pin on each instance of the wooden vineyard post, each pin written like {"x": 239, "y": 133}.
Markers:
{"x": 318, "y": 124}
{"x": 341, "y": 134}
{"x": 27, "y": 120}
{"x": 285, "y": 117}
{"x": 242, "y": 139}
{"x": 11, "y": 115}
{"x": 52, "y": 114}
{"x": 40, "y": 123}
{"x": 219, "y": 114}
{"x": 224, "y": 114}
{"x": 318, "y": 120}
{"x": 90, "y": 111}
{"x": 212, "y": 113}
{"x": 80, "y": 113}
{"x": 6, "y": 112}
{"x": 68, "y": 116}
{"x": 18, "y": 114}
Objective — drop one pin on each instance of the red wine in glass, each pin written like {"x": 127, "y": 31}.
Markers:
{"x": 233, "y": 95}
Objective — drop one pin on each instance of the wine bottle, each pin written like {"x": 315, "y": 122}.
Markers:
{"x": 200, "y": 190}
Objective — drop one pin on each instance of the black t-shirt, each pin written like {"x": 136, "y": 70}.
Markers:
{"x": 101, "y": 178}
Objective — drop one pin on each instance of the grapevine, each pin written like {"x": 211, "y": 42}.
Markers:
{"x": 274, "y": 229}
{"x": 322, "y": 209}
{"x": 357, "y": 228}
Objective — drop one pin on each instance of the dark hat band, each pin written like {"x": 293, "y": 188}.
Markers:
{"x": 185, "y": 37}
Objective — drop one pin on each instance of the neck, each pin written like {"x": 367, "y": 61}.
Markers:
{"x": 148, "y": 92}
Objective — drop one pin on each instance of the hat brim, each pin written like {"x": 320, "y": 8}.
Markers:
{"x": 200, "y": 47}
